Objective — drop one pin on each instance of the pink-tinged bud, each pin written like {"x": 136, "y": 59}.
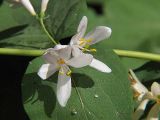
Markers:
{"x": 44, "y": 5}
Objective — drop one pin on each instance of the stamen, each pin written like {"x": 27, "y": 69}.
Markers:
{"x": 61, "y": 61}
{"x": 89, "y": 40}
{"x": 136, "y": 94}
{"x": 133, "y": 81}
{"x": 81, "y": 43}
{"x": 69, "y": 73}
{"x": 158, "y": 99}
{"x": 60, "y": 72}
{"x": 93, "y": 50}
{"x": 84, "y": 41}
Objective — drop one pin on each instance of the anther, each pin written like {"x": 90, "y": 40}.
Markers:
{"x": 69, "y": 73}
{"x": 93, "y": 50}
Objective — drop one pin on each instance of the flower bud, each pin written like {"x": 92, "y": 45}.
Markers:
{"x": 44, "y": 5}
{"x": 27, "y": 4}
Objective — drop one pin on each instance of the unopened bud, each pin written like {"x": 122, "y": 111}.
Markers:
{"x": 44, "y": 6}
{"x": 27, "y": 4}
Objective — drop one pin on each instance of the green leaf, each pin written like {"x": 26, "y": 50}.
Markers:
{"x": 148, "y": 72}
{"x": 14, "y": 35}
{"x": 101, "y": 96}
{"x": 62, "y": 18}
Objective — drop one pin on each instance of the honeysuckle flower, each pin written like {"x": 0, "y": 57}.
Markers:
{"x": 59, "y": 58}
{"x": 139, "y": 89}
{"x": 82, "y": 42}
{"x": 44, "y": 6}
{"x": 144, "y": 95}
{"x": 26, "y": 3}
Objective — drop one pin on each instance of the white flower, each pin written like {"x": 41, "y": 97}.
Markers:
{"x": 81, "y": 41}
{"x": 26, "y": 3}
{"x": 143, "y": 95}
{"x": 44, "y": 5}
{"x": 59, "y": 58}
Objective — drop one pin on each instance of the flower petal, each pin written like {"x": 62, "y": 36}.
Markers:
{"x": 65, "y": 53}
{"x": 76, "y": 51}
{"x": 80, "y": 31}
{"x": 47, "y": 70}
{"x": 51, "y": 56}
{"x": 80, "y": 61}
{"x": 98, "y": 34}
{"x": 155, "y": 89}
{"x": 59, "y": 46}
{"x": 140, "y": 110}
{"x": 63, "y": 88}
{"x": 100, "y": 66}
{"x": 44, "y": 5}
{"x": 154, "y": 112}
{"x": 82, "y": 26}
{"x": 138, "y": 87}
{"x": 27, "y": 4}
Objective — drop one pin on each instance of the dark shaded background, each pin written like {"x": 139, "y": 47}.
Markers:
{"x": 12, "y": 69}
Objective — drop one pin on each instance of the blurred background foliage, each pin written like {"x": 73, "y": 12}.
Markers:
{"x": 135, "y": 25}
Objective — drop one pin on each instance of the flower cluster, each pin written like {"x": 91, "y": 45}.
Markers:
{"x": 62, "y": 56}
{"x": 143, "y": 95}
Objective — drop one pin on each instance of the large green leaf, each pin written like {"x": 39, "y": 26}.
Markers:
{"x": 101, "y": 96}
{"x": 62, "y": 18}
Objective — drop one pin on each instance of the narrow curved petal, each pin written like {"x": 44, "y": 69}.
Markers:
{"x": 80, "y": 61}
{"x": 75, "y": 39}
{"x": 82, "y": 26}
{"x": 140, "y": 110}
{"x": 98, "y": 34}
{"x": 44, "y": 5}
{"x": 155, "y": 89}
{"x": 63, "y": 88}
{"x": 154, "y": 112}
{"x": 27, "y": 4}
{"x": 80, "y": 31}
{"x": 47, "y": 70}
{"x": 100, "y": 66}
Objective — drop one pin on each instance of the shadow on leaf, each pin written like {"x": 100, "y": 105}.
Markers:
{"x": 82, "y": 80}
{"x": 31, "y": 85}
{"x": 148, "y": 73}
{"x": 13, "y": 31}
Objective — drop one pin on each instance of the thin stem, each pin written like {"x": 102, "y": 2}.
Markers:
{"x": 45, "y": 30}
{"x": 123, "y": 53}
{"x": 139, "y": 55}
{"x": 21, "y": 52}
